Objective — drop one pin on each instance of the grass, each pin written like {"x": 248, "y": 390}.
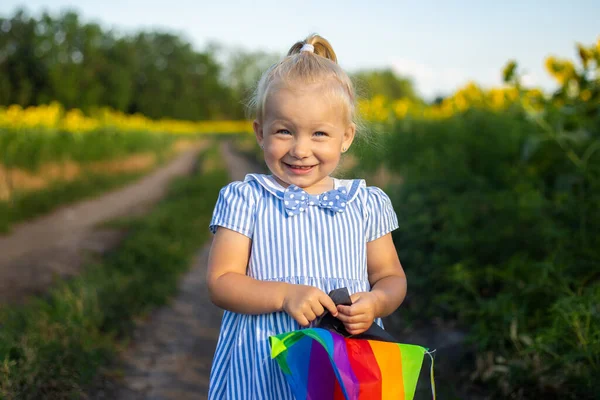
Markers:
{"x": 53, "y": 346}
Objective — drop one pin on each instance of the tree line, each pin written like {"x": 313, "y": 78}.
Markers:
{"x": 159, "y": 74}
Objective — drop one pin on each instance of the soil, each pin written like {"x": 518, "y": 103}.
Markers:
{"x": 172, "y": 351}
{"x": 37, "y": 252}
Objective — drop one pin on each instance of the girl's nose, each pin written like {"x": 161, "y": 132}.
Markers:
{"x": 300, "y": 148}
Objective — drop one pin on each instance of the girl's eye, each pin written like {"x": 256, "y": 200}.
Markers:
{"x": 284, "y": 132}
{"x": 319, "y": 133}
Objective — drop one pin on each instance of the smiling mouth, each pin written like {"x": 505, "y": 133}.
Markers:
{"x": 299, "y": 167}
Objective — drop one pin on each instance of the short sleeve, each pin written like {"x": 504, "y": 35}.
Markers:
{"x": 381, "y": 218}
{"x": 235, "y": 209}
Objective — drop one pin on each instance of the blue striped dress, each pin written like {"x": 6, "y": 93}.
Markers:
{"x": 317, "y": 247}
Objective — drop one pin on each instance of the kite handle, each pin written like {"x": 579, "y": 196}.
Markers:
{"x": 429, "y": 353}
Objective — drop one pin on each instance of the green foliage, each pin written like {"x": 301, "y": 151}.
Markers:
{"x": 52, "y": 347}
{"x": 158, "y": 74}
{"x": 500, "y": 229}
{"x": 243, "y": 70}
{"x": 384, "y": 83}
{"x": 80, "y": 65}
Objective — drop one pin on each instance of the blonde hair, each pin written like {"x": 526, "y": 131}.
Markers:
{"x": 307, "y": 67}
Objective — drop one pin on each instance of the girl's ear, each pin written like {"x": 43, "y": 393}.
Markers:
{"x": 348, "y": 136}
{"x": 258, "y": 132}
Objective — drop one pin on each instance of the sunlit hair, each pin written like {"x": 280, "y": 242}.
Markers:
{"x": 305, "y": 67}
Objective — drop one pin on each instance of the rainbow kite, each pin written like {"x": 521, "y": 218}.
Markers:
{"x": 327, "y": 364}
{"x": 320, "y": 364}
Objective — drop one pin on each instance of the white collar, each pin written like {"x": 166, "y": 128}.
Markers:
{"x": 272, "y": 186}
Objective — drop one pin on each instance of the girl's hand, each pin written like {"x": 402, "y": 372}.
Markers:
{"x": 358, "y": 317}
{"x": 305, "y": 303}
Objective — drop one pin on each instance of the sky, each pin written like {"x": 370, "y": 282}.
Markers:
{"x": 440, "y": 44}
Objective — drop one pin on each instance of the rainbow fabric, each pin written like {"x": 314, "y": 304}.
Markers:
{"x": 324, "y": 365}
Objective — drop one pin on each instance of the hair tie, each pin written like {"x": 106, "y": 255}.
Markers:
{"x": 308, "y": 47}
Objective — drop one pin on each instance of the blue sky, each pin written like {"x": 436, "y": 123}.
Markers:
{"x": 440, "y": 44}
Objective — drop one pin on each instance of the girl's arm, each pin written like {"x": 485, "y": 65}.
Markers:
{"x": 386, "y": 275}
{"x": 231, "y": 289}
{"x": 229, "y": 286}
{"x": 388, "y": 287}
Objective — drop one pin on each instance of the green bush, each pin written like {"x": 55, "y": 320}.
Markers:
{"x": 500, "y": 230}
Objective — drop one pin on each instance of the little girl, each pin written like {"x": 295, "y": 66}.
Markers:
{"x": 283, "y": 241}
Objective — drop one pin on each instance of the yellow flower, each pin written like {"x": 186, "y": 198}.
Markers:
{"x": 586, "y": 94}
{"x": 401, "y": 108}
{"x": 52, "y": 116}
{"x": 375, "y": 109}
{"x": 561, "y": 70}
{"x": 460, "y": 101}
{"x": 497, "y": 99}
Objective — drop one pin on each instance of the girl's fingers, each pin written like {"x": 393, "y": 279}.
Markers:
{"x": 301, "y": 319}
{"x": 318, "y": 309}
{"x": 310, "y": 316}
{"x": 350, "y": 319}
{"x": 355, "y": 329}
{"x": 354, "y": 297}
{"x": 344, "y": 310}
{"x": 355, "y": 309}
{"x": 327, "y": 303}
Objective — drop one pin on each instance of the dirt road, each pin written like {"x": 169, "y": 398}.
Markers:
{"x": 57, "y": 244}
{"x": 172, "y": 351}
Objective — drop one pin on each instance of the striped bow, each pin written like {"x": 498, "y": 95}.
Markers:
{"x": 296, "y": 200}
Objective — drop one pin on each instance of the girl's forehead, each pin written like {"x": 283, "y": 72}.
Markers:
{"x": 307, "y": 108}
{"x": 315, "y": 99}
{"x": 284, "y": 97}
